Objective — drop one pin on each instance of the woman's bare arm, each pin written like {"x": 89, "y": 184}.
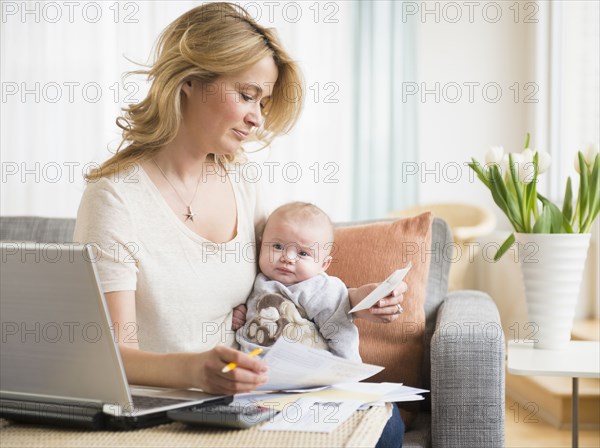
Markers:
{"x": 179, "y": 370}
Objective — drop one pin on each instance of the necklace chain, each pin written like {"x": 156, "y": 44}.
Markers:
{"x": 190, "y": 214}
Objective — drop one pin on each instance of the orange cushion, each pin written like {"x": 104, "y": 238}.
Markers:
{"x": 370, "y": 253}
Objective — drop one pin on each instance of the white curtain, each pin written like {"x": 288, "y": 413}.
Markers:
{"x": 62, "y": 88}
{"x": 568, "y": 66}
{"x": 573, "y": 121}
{"x": 385, "y": 124}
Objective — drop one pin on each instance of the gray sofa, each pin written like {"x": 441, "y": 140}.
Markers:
{"x": 464, "y": 362}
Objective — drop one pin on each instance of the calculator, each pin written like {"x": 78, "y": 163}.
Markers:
{"x": 230, "y": 416}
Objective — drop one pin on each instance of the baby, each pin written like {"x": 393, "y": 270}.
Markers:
{"x": 293, "y": 297}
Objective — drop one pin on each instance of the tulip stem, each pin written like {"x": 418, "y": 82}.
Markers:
{"x": 575, "y": 215}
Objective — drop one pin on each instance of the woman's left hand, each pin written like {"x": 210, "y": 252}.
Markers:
{"x": 384, "y": 311}
{"x": 239, "y": 317}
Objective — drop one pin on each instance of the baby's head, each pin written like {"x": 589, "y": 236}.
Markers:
{"x": 296, "y": 243}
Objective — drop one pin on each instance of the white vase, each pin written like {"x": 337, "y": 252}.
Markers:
{"x": 552, "y": 266}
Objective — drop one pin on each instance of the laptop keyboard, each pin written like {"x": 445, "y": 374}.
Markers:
{"x": 142, "y": 402}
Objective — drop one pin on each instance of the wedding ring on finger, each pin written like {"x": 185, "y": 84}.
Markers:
{"x": 400, "y": 309}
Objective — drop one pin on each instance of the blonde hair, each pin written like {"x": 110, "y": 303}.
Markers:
{"x": 209, "y": 41}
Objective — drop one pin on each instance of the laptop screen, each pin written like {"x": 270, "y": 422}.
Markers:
{"x": 56, "y": 336}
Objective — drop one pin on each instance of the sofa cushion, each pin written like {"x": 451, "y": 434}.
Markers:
{"x": 368, "y": 254}
{"x": 40, "y": 230}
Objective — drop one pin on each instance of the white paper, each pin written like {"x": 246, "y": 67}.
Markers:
{"x": 312, "y": 414}
{"x": 404, "y": 390}
{"x": 293, "y": 365}
{"x": 371, "y": 388}
{"x": 397, "y": 393}
{"x": 384, "y": 289}
{"x": 305, "y": 389}
{"x": 403, "y": 398}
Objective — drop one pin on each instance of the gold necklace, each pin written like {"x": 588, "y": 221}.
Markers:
{"x": 190, "y": 214}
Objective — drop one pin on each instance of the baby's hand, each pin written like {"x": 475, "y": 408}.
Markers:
{"x": 239, "y": 317}
{"x": 386, "y": 310}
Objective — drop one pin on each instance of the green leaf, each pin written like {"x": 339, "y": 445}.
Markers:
{"x": 498, "y": 189}
{"x": 594, "y": 190}
{"x": 504, "y": 247}
{"x": 567, "y": 225}
{"x": 568, "y": 202}
{"x": 583, "y": 190}
{"x": 532, "y": 197}
{"x": 527, "y": 141}
{"x": 502, "y": 197}
{"x": 594, "y": 198}
{"x": 476, "y": 166}
{"x": 508, "y": 194}
{"x": 530, "y": 193}
{"x": 544, "y": 222}
{"x": 492, "y": 179}
{"x": 590, "y": 219}
{"x": 555, "y": 216}
{"x": 575, "y": 214}
{"x": 518, "y": 190}
{"x": 498, "y": 182}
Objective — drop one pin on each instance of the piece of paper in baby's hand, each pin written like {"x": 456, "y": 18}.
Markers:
{"x": 384, "y": 289}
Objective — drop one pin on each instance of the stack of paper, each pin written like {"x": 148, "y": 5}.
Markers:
{"x": 296, "y": 368}
{"x": 323, "y": 410}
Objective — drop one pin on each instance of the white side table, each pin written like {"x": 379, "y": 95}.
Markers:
{"x": 581, "y": 359}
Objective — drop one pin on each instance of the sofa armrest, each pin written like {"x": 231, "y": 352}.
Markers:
{"x": 467, "y": 373}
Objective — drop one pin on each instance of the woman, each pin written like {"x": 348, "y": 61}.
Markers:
{"x": 176, "y": 231}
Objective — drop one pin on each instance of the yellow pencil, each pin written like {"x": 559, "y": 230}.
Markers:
{"x": 232, "y": 365}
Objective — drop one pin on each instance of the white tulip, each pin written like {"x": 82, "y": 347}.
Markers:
{"x": 494, "y": 155}
{"x": 544, "y": 160}
{"x": 504, "y": 165}
{"x": 527, "y": 155}
{"x": 523, "y": 167}
{"x": 589, "y": 155}
{"x": 526, "y": 170}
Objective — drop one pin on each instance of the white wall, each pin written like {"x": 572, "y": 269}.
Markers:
{"x": 452, "y": 132}
{"x": 507, "y": 51}
{"x": 490, "y": 54}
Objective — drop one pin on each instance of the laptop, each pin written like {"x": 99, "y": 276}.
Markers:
{"x": 59, "y": 361}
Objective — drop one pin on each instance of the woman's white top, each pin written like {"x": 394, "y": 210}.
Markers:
{"x": 185, "y": 286}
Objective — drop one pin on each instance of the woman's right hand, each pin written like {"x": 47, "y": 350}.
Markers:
{"x": 181, "y": 370}
{"x": 206, "y": 371}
